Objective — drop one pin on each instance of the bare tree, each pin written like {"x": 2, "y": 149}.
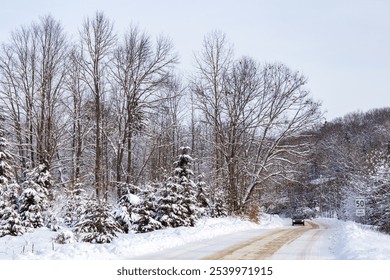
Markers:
{"x": 32, "y": 77}
{"x": 79, "y": 122}
{"x": 212, "y": 63}
{"x": 98, "y": 39}
{"x": 166, "y": 129}
{"x": 240, "y": 108}
{"x": 141, "y": 69}
{"x": 284, "y": 113}
{"x": 254, "y": 112}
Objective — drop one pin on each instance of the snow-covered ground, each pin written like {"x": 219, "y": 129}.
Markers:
{"x": 352, "y": 241}
{"x": 342, "y": 240}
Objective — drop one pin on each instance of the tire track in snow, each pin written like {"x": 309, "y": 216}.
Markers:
{"x": 263, "y": 246}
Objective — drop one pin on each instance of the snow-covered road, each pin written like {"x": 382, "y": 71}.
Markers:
{"x": 204, "y": 248}
{"x": 309, "y": 242}
{"x": 313, "y": 244}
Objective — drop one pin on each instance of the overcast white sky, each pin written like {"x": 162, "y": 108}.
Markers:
{"x": 341, "y": 46}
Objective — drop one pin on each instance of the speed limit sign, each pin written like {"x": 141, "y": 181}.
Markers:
{"x": 360, "y": 203}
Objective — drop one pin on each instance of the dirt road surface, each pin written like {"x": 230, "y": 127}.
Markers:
{"x": 265, "y": 246}
{"x": 289, "y": 242}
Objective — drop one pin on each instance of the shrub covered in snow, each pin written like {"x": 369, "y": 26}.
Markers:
{"x": 65, "y": 237}
{"x": 218, "y": 209}
{"x": 97, "y": 224}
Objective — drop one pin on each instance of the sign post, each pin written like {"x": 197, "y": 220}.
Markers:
{"x": 360, "y": 204}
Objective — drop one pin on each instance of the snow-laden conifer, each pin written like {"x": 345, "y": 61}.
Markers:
{"x": 183, "y": 175}
{"x": 75, "y": 205}
{"x": 202, "y": 198}
{"x": 33, "y": 201}
{"x": 6, "y": 174}
{"x": 124, "y": 213}
{"x": 218, "y": 206}
{"x": 97, "y": 224}
{"x": 171, "y": 213}
{"x": 145, "y": 213}
{"x": 10, "y": 221}
{"x": 177, "y": 204}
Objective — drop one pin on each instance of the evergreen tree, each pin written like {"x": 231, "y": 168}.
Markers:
{"x": 203, "y": 202}
{"x": 33, "y": 201}
{"x": 218, "y": 206}
{"x": 97, "y": 225}
{"x": 146, "y": 214}
{"x": 189, "y": 202}
{"x": 124, "y": 214}
{"x": 6, "y": 175}
{"x": 178, "y": 205}
{"x": 171, "y": 213}
{"x": 183, "y": 175}
{"x": 75, "y": 206}
{"x": 10, "y": 221}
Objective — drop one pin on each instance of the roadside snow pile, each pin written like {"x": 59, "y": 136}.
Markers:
{"x": 268, "y": 221}
{"x": 352, "y": 241}
{"x": 39, "y": 244}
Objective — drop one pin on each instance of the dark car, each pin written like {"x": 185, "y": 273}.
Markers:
{"x": 298, "y": 220}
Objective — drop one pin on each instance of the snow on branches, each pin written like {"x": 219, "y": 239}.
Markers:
{"x": 97, "y": 225}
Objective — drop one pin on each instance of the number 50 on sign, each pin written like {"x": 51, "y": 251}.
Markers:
{"x": 360, "y": 203}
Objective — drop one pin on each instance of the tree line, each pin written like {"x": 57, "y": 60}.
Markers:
{"x": 110, "y": 116}
{"x": 349, "y": 159}
{"x": 107, "y": 109}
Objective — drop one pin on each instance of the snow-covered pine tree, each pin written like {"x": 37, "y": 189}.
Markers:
{"x": 170, "y": 212}
{"x": 146, "y": 213}
{"x": 189, "y": 202}
{"x": 6, "y": 174}
{"x": 183, "y": 174}
{"x": 178, "y": 205}
{"x": 10, "y": 221}
{"x": 75, "y": 205}
{"x": 124, "y": 213}
{"x": 97, "y": 225}
{"x": 203, "y": 202}
{"x": 33, "y": 201}
{"x": 218, "y": 206}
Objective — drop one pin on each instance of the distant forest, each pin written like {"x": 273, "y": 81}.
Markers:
{"x": 107, "y": 118}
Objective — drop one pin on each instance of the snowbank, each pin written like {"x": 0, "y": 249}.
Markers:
{"x": 39, "y": 244}
{"x": 352, "y": 241}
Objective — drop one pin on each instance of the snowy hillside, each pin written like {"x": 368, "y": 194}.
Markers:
{"x": 347, "y": 240}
